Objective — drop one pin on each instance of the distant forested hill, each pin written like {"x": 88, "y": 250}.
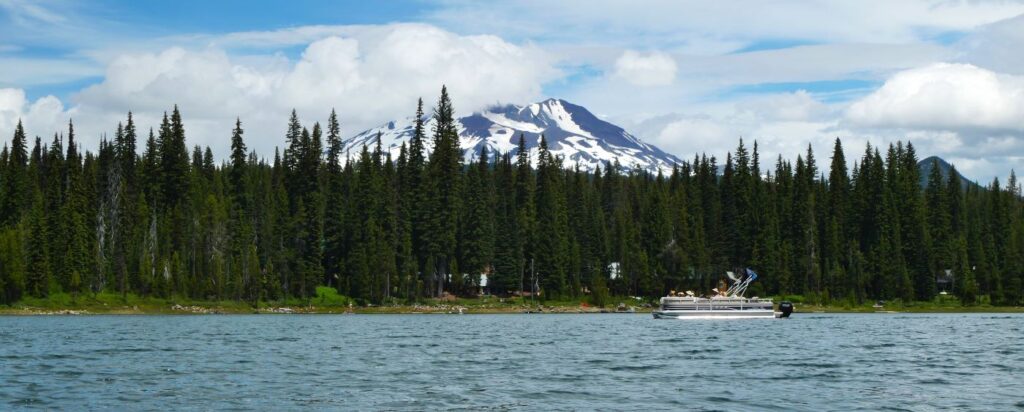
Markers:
{"x": 944, "y": 167}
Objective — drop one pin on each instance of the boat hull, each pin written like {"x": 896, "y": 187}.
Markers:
{"x": 715, "y": 314}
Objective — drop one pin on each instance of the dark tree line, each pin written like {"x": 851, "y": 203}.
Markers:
{"x": 173, "y": 223}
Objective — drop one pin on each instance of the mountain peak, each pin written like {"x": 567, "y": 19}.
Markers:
{"x": 945, "y": 168}
{"x": 572, "y": 132}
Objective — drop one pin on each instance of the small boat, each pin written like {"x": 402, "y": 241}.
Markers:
{"x": 730, "y": 304}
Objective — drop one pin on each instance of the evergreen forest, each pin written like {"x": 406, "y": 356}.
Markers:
{"x": 144, "y": 214}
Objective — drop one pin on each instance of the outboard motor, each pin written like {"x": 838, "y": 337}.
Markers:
{"x": 786, "y": 307}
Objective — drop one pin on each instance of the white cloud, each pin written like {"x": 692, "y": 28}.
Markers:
{"x": 955, "y": 97}
{"x": 687, "y": 135}
{"x": 796, "y": 106}
{"x": 372, "y": 76}
{"x": 24, "y": 72}
{"x": 717, "y": 134}
{"x": 650, "y": 69}
{"x": 26, "y": 13}
{"x": 46, "y": 113}
{"x": 784, "y": 124}
{"x": 684, "y": 92}
{"x": 680, "y": 23}
{"x": 995, "y": 46}
{"x": 781, "y": 123}
{"x": 810, "y": 63}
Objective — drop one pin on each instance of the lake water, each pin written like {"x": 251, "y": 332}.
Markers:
{"x": 512, "y": 362}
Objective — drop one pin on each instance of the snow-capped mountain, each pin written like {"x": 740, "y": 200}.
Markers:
{"x": 571, "y": 131}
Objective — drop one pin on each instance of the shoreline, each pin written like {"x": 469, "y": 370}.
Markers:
{"x": 200, "y": 309}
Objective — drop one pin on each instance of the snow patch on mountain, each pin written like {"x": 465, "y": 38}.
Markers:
{"x": 571, "y": 131}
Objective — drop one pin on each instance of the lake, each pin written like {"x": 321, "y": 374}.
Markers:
{"x": 512, "y": 362}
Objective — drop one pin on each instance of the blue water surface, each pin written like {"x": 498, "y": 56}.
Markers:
{"x": 512, "y": 362}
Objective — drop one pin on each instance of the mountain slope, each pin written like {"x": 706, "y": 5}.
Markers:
{"x": 925, "y": 166}
{"x": 571, "y": 131}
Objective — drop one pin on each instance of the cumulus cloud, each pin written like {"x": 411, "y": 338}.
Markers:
{"x": 957, "y": 97}
{"x": 373, "y": 75}
{"x": 46, "y": 113}
{"x": 650, "y": 69}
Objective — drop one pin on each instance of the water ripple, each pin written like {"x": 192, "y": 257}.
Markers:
{"x": 510, "y": 362}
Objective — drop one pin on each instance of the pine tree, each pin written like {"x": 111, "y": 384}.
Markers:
{"x": 126, "y": 153}
{"x": 839, "y": 224}
{"x": 916, "y": 242}
{"x": 416, "y": 192}
{"x": 507, "y": 252}
{"x": 314, "y": 207}
{"x": 150, "y": 170}
{"x": 805, "y": 226}
{"x": 525, "y": 184}
{"x": 938, "y": 206}
{"x": 477, "y": 225}
{"x": 239, "y": 162}
{"x": 293, "y": 154}
{"x": 334, "y": 210}
{"x": 15, "y": 180}
{"x": 12, "y": 266}
{"x": 76, "y": 250}
{"x": 37, "y": 267}
{"x": 174, "y": 161}
{"x": 552, "y": 245}
{"x": 444, "y": 183}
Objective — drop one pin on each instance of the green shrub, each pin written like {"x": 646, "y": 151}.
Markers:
{"x": 328, "y": 296}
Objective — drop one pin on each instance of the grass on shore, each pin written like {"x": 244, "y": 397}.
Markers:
{"x": 329, "y": 301}
{"x": 941, "y": 304}
{"x": 326, "y": 301}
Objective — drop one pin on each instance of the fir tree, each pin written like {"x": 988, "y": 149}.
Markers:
{"x": 174, "y": 160}
{"x": 15, "y": 180}
{"x": 334, "y": 210}
{"x": 12, "y": 266}
{"x": 37, "y": 265}
{"x": 477, "y": 231}
{"x": 552, "y": 245}
{"x": 444, "y": 185}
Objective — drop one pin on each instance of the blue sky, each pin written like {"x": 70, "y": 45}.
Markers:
{"x": 688, "y": 76}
